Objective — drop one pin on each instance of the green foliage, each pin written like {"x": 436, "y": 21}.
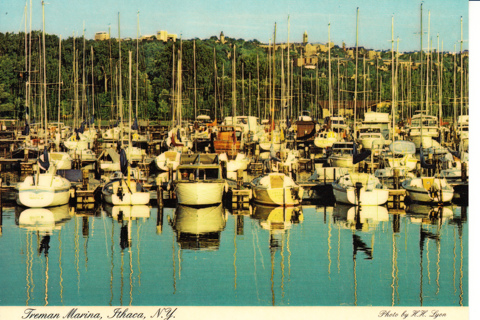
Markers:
{"x": 156, "y": 64}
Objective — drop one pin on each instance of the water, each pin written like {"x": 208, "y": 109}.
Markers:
{"x": 319, "y": 256}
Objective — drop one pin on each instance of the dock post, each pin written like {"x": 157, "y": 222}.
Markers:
{"x": 85, "y": 179}
{"x": 239, "y": 179}
{"x": 464, "y": 172}
{"x": 239, "y": 219}
{"x": 160, "y": 196}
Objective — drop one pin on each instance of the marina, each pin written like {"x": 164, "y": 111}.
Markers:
{"x": 307, "y": 174}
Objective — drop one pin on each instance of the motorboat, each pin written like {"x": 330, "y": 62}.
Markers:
{"x": 198, "y": 180}
{"x": 401, "y": 155}
{"x": 229, "y": 140}
{"x": 423, "y": 130}
{"x": 325, "y": 139}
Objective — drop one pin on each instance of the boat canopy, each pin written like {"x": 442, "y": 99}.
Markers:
{"x": 402, "y": 147}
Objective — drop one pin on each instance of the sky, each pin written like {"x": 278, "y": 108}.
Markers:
{"x": 253, "y": 19}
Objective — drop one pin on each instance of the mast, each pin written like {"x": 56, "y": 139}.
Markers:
{"x": 173, "y": 85}
{"x": 330, "y": 96}
{"x": 234, "y": 93}
{"x": 428, "y": 57}
{"x": 258, "y": 87}
{"x": 84, "y": 94}
{"x": 93, "y": 87}
{"x": 215, "y": 82}
{"x": 44, "y": 72}
{"x": 393, "y": 84}
{"x": 29, "y": 92}
{"x": 273, "y": 73}
{"x": 356, "y": 80}
{"x": 288, "y": 104}
{"x": 120, "y": 107}
{"x": 59, "y": 77}
{"x": 194, "y": 80}
{"x": 130, "y": 100}
{"x": 136, "y": 80}
{"x": 461, "y": 66}
{"x": 179, "y": 85}
{"x": 421, "y": 57}
{"x": 455, "y": 86}
{"x": 26, "y": 65}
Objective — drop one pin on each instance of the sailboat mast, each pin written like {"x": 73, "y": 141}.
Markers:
{"x": 330, "y": 97}
{"x": 427, "y": 108}
{"x": 93, "y": 85}
{"x": 26, "y": 64}
{"x": 84, "y": 93}
{"x": 461, "y": 66}
{"x": 120, "y": 102}
{"x": 136, "y": 80}
{"x": 44, "y": 72}
{"x": 393, "y": 83}
{"x": 273, "y": 72}
{"x": 287, "y": 93}
{"x": 234, "y": 93}
{"x": 194, "y": 80}
{"x": 356, "y": 80}
{"x": 215, "y": 81}
{"x": 59, "y": 77}
{"x": 130, "y": 99}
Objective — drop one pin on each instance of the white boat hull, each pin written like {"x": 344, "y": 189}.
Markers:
{"x": 198, "y": 193}
{"x": 126, "y": 197}
{"x": 42, "y": 197}
{"x": 420, "y": 191}
{"x": 289, "y": 196}
{"x": 375, "y": 197}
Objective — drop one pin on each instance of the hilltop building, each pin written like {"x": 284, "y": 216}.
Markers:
{"x": 222, "y": 38}
{"x": 102, "y": 35}
{"x": 164, "y": 36}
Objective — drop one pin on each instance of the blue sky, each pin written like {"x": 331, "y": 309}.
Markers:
{"x": 251, "y": 19}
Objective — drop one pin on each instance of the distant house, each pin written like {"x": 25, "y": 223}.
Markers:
{"x": 148, "y": 37}
{"x": 164, "y": 36}
{"x": 102, "y": 35}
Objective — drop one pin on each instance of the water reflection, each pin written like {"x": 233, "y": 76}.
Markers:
{"x": 42, "y": 220}
{"x": 199, "y": 228}
{"x": 361, "y": 218}
{"x": 278, "y": 221}
{"x": 41, "y": 223}
{"x": 281, "y": 256}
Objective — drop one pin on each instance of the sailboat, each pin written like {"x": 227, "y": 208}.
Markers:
{"x": 43, "y": 189}
{"x": 122, "y": 190}
{"x": 367, "y": 190}
{"x": 428, "y": 189}
{"x": 276, "y": 189}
